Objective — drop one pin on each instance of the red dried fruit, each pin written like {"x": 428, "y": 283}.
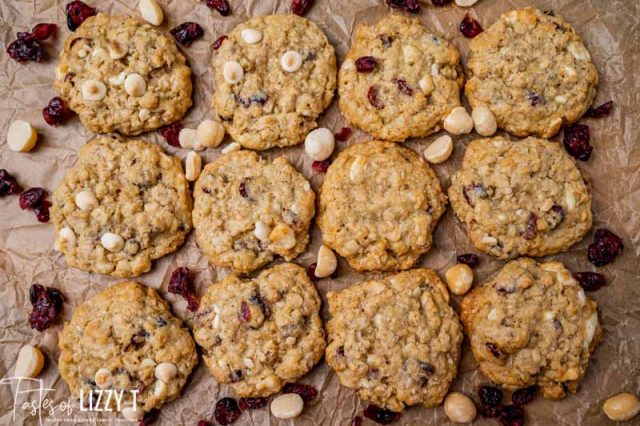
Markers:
{"x": 243, "y": 187}
{"x": 187, "y": 33}
{"x": 372, "y": 95}
{"x": 605, "y": 247}
{"x": 386, "y": 40}
{"x": 219, "y": 41}
{"x": 22, "y": 50}
{"x": 257, "y": 300}
{"x": 300, "y": 7}
{"x": 222, "y": 6}
{"x": 411, "y": 6}
{"x": 42, "y": 211}
{"x": 149, "y": 417}
{"x": 440, "y": 2}
{"x": 47, "y": 304}
{"x": 600, "y": 111}
{"x": 226, "y": 411}
{"x": 490, "y": 396}
{"x": 366, "y": 64}
{"x": 171, "y": 133}
{"x": 469, "y": 27}
{"x": 524, "y": 396}
{"x": 245, "y": 312}
{"x": 535, "y": 98}
{"x": 56, "y": 112}
{"x": 512, "y": 416}
{"x": 469, "y": 259}
{"x": 492, "y": 347}
{"x": 576, "y": 141}
{"x": 180, "y": 284}
{"x": 251, "y": 403}
{"x": 203, "y": 423}
{"x": 311, "y": 271}
{"x": 489, "y": 412}
{"x": 321, "y": 166}
{"x": 404, "y": 87}
{"x": 8, "y": 184}
{"x": 77, "y": 13}
{"x": 380, "y": 415}
{"x": 32, "y": 197}
{"x": 42, "y": 31}
{"x": 343, "y": 134}
{"x": 357, "y": 421}
{"x": 306, "y": 392}
{"x": 531, "y": 230}
{"x": 590, "y": 281}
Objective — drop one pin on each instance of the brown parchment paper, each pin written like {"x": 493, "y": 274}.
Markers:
{"x": 611, "y": 30}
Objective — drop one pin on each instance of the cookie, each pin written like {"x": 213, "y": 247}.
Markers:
{"x": 249, "y": 210}
{"x": 518, "y": 198}
{"x": 531, "y": 324}
{"x": 395, "y": 340}
{"x": 126, "y": 339}
{"x": 532, "y": 70}
{"x": 121, "y": 75}
{"x": 258, "y": 334}
{"x": 414, "y": 84}
{"x": 379, "y": 204}
{"x": 123, "y": 205}
{"x": 274, "y": 75}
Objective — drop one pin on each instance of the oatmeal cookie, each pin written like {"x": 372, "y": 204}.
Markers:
{"x": 519, "y": 198}
{"x": 274, "y": 76}
{"x": 379, "y": 204}
{"x": 125, "y": 338}
{"x": 121, "y": 75}
{"x": 258, "y": 334}
{"x": 532, "y": 324}
{"x": 121, "y": 206}
{"x": 414, "y": 83}
{"x": 533, "y": 72}
{"x": 395, "y": 340}
{"x": 248, "y": 210}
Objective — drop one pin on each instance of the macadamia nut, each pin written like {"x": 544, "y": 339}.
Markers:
{"x": 621, "y": 407}
{"x": 458, "y": 122}
{"x": 459, "y": 278}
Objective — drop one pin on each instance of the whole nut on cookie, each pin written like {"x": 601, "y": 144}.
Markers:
{"x": 135, "y": 85}
{"x": 21, "y": 136}
{"x": 440, "y": 150}
{"x": 459, "y": 278}
{"x": 251, "y": 35}
{"x": 319, "y": 144}
{"x": 147, "y": 362}
{"x": 291, "y": 61}
{"x": 165, "y": 371}
{"x": 103, "y": 378}
{"x": 112, "y": 242}
{"x": 30, "y": 362}
{"x": 459, "y": 408}
{"x": 67, "y": 236}
{"x": 466, "y": 3}
{"x": 161, "y": 389}
{"x": 621, "y": 407}
{"x": 187, "y": 138}
{"x": 193, "y": 166}
{"x": 426, "y": 84}
{"x": 287, "y": 406}
{"x": 262, "y": 231}
{"x": 458, "y": 122}
{"x": 232, "y": 147}
{"x": 232, "y": 72}
{"x": 484, "y": 121}
{"x": 151, "y": 12}
{"x": 283, "y": 237}
{"x": 93, "y": 90}
{"x": 133, "y": 413}
{"x": 85, "y": 200}
{"x": 118, "y": 80}
{"x": 326, "y": 263}
{"x": 210, "y": 133}
{"x": 118, "y": 49}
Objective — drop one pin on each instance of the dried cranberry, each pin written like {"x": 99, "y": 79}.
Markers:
{"x": 605, "y": 247}
{"x": 222, "y": 6}
{"x": 357, "y": 421}
{"x": 343, "y": 134}
{"x": 180, "y": 284}
{"x": 42, "y": 31}
{"x": 149, "y": 417}
{"x": 600, "y": 111}
{"x": 535, "y": 98}
{"x": 203, "y": 423}
{"x": 32, "y": 197}
{"x": 257, "y": 300}
{"x": 404, "y": 87}
{"x": 576, "y": 141}
{"x": 187, "y": 33}
{"x": 77, "y": 12}
{"x": 440, "y": 2}
{"x": 245, "y": 312}
{"x": 469, "y": 259}
{"x": 469, "y": 27}
{"x": 386, "y": 40}
{"x": 171, "y": 133}
{"x": 380, "y": 415}
{"x": 243, "y": 188}
{"x": 590, "y": 281}
{"x": 8, "y": 184}
{"x": 490, "y": 412}
{"x": 491, "y": 346}
{"x": 23, "y": 50}
{"x": 42, "y": 211}
{"x": 226, "y": 411}
{"x": 321, "y": 166}
{"x": 366, "y": 64}
{"x": 311, "y": 271}
{"x": 251, "y": 403}
{"x": 512, "y": 415}
{"x": 411, "y": 6}
{"x": 490, "y": 396}
{"x": 531, "y": 230}
{"x": 524, "y": 396}
{"x": 372, "y": 95}
{"x": 56, "y": 112}
{"x": 47, "y": 304}
{"x": 300, "y": 7}
{"x": 306, "y": 392}
{"x": 219, "y": 41}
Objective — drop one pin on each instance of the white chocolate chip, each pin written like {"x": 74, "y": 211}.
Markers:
{"x": 440, "y": 150}
{"x": 103, "y": 378}
{"x": 30, "y": 362}
{"x": 99, "y": 53}
{"x": 459, "y": 407}
{"x": 489, "y": 240}
{"x": 319, "y": 144}
{"x": 347, "y": 65}
{"x": 144, "y": 114}
{"x": 435, "y": 70}
{"x": 232, "y": 72}
{"x": 187, "y": 137}
{"x": 216, "y": 319}
{"x": 165, "y": 371}
{"x": 569, "y": 197}
{"x": 426, "y": 84}
{"x": 466, "y": 3}
{"x": 161, "y": 389}
{"x": 561, "y": 99}
{"x": 549, "y": 315}
{"x": 458, "y": 122}
{"x": 411, "y": 54}
{"x": 210, "y": 133}
{"x": 357, "y": 167}
{"x": 21, "y": 136}
{"x": 112, "y": 242}
{"x": 86, "y": 201}
{"x": 484, "y": 121}
{"x": 93, "y": 90}
{"x": 133, "y": 413}
{"x": 621, "y": 407}
{"x": 251, "y": 35}
{"x": 570, "y": 71}
{"x": 147, "y": 362}
{"x": 493, "y": 314}
{"x": 118, "y": 80}
{"x": 262, "y": 231}
{"x": 578, "y": 51}
{"x": 287, "y": 406}
{"x": 459, "y": 278}
{"x": 118, "y": 49}
{"x": 590, "y": 329}
{"x": 135, "y": 85}
{"x": 68, "y": 237}
{"x": 232, "y": 147}
{"x": 326, "y": 263}
{"x": 84, "y": 51}
{"x": 193, "y": 166}
{"x": 283, "y": 237}
{"x": 248, "y": 362}
{"x": 291, "y": 61}
{"x": 151, "y": 12}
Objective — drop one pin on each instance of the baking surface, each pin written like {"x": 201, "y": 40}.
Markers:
{"x": 611, "y": 31}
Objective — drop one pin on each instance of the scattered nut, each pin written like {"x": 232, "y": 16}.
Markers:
{"x": 287, "y": 406}
{"x": 112, "y": 242}
{"x": 326, "y": 263}
{"x": 151, "y": 12}
{"x": 147, "y": 362}
{"x": 459, "y": 278}
{"x": 232, "y": 147}
{"x": 319, "y": 144}
{"x": 135, "y": 85}
{"x": 118, "y": 49}
{"x": 30, "y": 362}
{"x": 251, "y": 35}
{"x": 458, "y": 122}
{"x": 93, "y": 90}
{"x": 466, "y": 3}
{"x": 291, "y": 61}
{"x": 232, "y": 72}
{"x": 459, "y": 407}
{"x": 210, "y": 133}
{"x": 187, "y": 138}
{"x": 484, "y": 121}
{"x": 166, "y": 371}
{"x": 440, "y": 150}
{"x": 85, "y": 200}
{"x": 426, "y": 84}
{"x": 67, "y": 236}
{"x": 283, "y": 237}
{"x": 621, "y": 407}
{"x": 161, "y": 389}
{"x": 103, "y": 378}
{"x": 193, "y": 166}
{"x": 133, "y": 413}
{"x": 118, "y": 80}
{"x": 22, "y": 136}
{"x": 262, "y": 231}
